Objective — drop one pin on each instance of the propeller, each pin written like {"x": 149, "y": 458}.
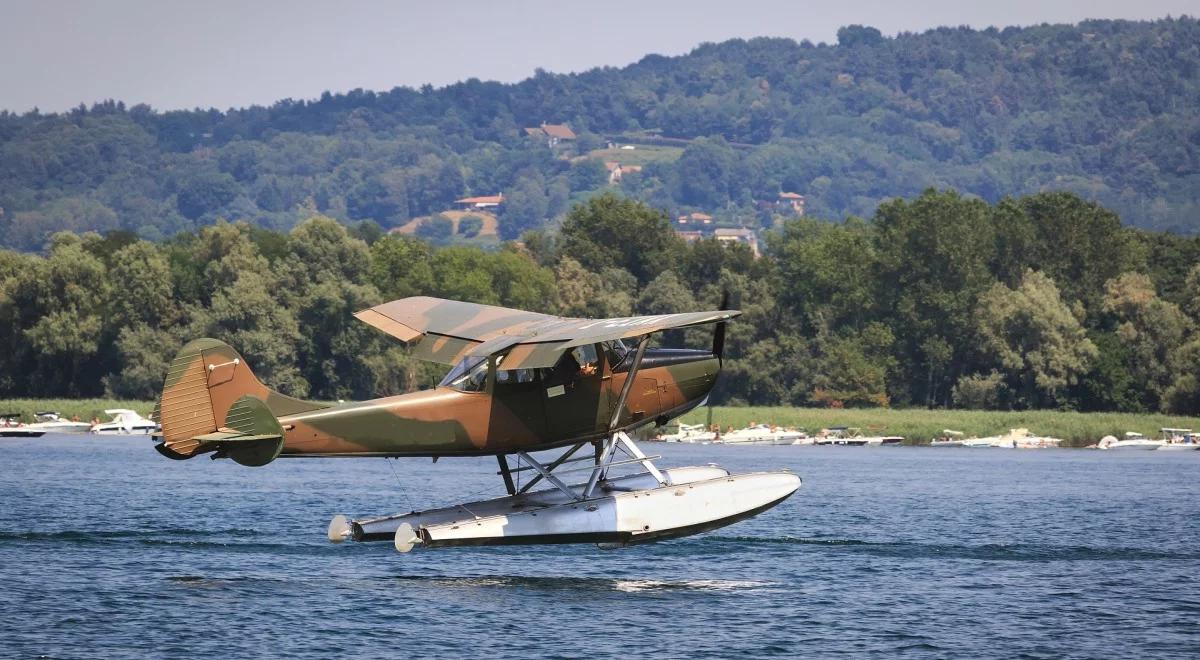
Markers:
{"x": 718, "y": 348}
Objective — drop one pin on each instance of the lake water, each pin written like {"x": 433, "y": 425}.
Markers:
{"x": 109, "y": 550}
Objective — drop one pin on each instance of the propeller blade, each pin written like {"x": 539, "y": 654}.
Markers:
{"x": 719, "y": 332}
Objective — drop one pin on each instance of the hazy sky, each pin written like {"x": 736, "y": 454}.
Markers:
{"x": 223, "y": 53}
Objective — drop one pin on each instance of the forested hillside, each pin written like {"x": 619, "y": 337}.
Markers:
{"x": 1107, "y": 109}
{"x": 1043, "y": 301}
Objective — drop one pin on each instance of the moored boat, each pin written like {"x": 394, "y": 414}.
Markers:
{"x": 852, "y": 437}
{"x": 1179, "y": 440}
{"x": 1132, "y": 441}
{"x": 948, "y": 439}
{"x": 12, "y": 427}
{"x": 764, "y": 434}
{"x": 49, "y": 421}
{"x": 689, "y": 434}
{"x": 125, "y": 422}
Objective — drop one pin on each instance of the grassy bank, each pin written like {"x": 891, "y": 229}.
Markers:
{"x": 918, "y": 425}
{"x": 84, "y": 409}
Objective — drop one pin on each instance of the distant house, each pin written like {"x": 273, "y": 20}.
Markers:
{"x": 552, "y": 133}
{"x": 695, "y": 219}
{"x": 617, "y": 170}
{"x": 738, "y": 235}
{"x": 689, "y": 236}
{"x": 794, "y": 200}
{"x": 486, "y": 202}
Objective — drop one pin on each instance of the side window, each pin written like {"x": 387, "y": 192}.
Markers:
{"x": 512, "y": 376}
{"x": 588, "y": 361}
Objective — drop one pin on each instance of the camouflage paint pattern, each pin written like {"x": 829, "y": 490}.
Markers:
{"x": 207, "y": 379}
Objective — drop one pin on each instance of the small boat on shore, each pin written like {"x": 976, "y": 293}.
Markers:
{"x": 1179, "y": 440}
{"x": 11, "y": 426}
{"x": 852, "y": 437}
{"x": 49, "y": 421}
{"x": 763, "y": 434}
{"x": 124, "y": 422}
{"x": 1025, "y": 439}
{"x": 948, "y": 439}
{"x": 689, "y": 434}
{"x": 1132, "y": 441}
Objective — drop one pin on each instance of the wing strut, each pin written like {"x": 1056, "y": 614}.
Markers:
{"x": 633, "y": 369}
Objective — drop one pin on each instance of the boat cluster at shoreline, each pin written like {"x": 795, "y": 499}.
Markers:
{"x": 1173, "y": 439}
{"x": 122, "y": 422}
{"x": 767, "y": 434}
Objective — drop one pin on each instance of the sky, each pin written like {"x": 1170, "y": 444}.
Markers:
{"x": 232, "y": 53}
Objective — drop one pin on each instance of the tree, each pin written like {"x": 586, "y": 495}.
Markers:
{"x": 524, "y": 208}
{"x": 57, "y": 309}
{"x": 932, "y": 266}
{"x": 979, "y": 391}
{"x": 609, "y": 231}
{"x": 705, "y": 173}
{"x": 582, "y": 293}
{"x": 470, "y": 225}
{"x": 1081, "y": 245}
{"x": 436, "y": 228}
{"x": 206, "y": 192}
{"x": 1151, "y": 331}
{"x": 853, "y": 370}
{"x": 401, "y": 266}
{"x": 1034, "y": 337}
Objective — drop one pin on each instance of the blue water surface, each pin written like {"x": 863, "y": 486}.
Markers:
{"x": 109, "y": 550}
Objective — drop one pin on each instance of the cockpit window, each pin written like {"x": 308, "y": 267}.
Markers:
{"x": 469, "y": 375}
{"x": 615, "y": 351}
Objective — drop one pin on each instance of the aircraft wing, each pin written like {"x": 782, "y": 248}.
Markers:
{"x": 446, "y": 330}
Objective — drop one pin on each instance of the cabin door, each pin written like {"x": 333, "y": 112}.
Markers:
{"x": 577, "y": 394}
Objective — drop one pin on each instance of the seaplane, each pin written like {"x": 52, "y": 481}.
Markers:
{"x": 519, "y": 383}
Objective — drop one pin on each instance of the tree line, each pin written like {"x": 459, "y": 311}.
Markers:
{"x": 1106, "y": 109}
{"x": 943, "y": 300}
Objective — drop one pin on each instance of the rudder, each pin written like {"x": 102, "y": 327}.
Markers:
{"x": 212, "y": 401}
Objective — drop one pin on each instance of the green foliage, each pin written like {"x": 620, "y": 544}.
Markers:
{"x": 611, "y": 231}
{"x": 979, "y": 391}
{"x": 1106, "y": 110}
{"x": 1032, "y": 333}
{"x": 470, "y": 225}
{"x": 938, "y": 301}
{"x": 437, "y": 228}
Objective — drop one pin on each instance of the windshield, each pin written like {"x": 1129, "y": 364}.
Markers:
{"x": 469, "y": 375}
{"x": 615, "y": 351}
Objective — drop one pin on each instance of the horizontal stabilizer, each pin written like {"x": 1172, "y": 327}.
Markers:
{"x": 232, "y": 436}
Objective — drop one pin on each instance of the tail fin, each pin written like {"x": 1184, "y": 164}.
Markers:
{"x": 211, "y": 401}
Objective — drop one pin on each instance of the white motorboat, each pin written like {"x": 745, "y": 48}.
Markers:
{"x": 948, "y": 439}
{"x": 11, "y": 426}
{"x": 1014, "y": 439}
{"x": 853, "y": 437}
{"x": 1132, "y": 440}
{"x": 764, "y": 434}
{"x": 125, "y": 422}
{"x": 690, "y": 434}
{"x": 977, "y": 443}
{"x": 1179, "y": 440}
{"x": 49, "y": 421}
{"x": 1024, "y": 439}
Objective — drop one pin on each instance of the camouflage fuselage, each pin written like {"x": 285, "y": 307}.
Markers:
{"x": 506, "y": 417}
